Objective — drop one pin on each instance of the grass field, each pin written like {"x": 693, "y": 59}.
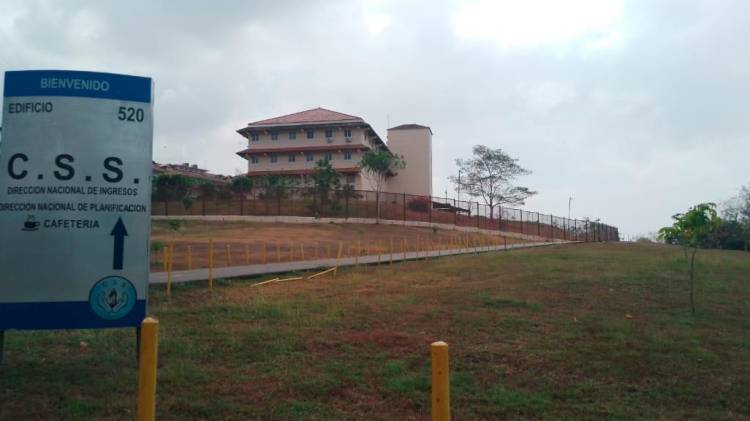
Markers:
{"x": 570, "y": 331}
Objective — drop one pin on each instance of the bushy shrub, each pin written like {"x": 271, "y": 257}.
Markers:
{"x": 420, "y": 204}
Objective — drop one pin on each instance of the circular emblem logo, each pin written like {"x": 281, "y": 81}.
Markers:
{"x": 112, "y": 297}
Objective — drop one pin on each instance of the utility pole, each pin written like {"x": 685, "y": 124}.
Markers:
{"x": 570, "y": 200}
{"x": 458, "y": 190}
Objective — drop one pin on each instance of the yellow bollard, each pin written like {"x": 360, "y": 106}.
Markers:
{"x": 278, "y": 252}
{"x": 338, "y": 257}
{"x": 189, "y": 257}
{"x": 169, "y": 269}
{"x": 229, "y": 256}
{"x": 210, "y": 264}
{"x": 148, "y": 351}
{"x": 165, "y": 256}
{"x": 441, "y": 405}
{"x": 247, "y": 254}
{"x": 265, "y": 252}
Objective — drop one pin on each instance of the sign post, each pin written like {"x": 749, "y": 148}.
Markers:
{"x": 75, "y": 198}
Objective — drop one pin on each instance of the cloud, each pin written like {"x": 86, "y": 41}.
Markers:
{"x": 518, "y": 24}
{"x": 636, "y": 108}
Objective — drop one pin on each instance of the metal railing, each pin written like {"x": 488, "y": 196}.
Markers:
{"x": 309, "y": 202}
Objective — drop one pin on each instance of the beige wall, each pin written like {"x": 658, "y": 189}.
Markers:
{"x": 416, "y": 147}
{"x": 300, "y": 161}
{"x": 265, "y": 142}
{"x": 264, "y": 138}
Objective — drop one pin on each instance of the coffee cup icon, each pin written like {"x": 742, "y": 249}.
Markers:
{"x": 31, "y": 224}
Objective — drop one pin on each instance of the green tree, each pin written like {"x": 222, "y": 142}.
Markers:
{"x": 170, "y": 187}
{"x": 736, "y": 212}
{"x": 276, "y": 187}
{"x": 242, "y": 185}
{"x": 325, "y": 179}
{"x": 693, "y": 229}
{"x": 489, "y": 175}
{"x": 347, "y": 193}
{"x": 206, "y": 192}
{"x": 381, "y": 165}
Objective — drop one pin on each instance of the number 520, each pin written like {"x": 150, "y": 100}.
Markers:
{"x": 130, "y": 114}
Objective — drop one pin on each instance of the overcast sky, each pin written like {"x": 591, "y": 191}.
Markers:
{"x": 638, "y": 109}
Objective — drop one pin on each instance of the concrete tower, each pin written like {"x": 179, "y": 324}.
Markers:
{"x": 414, "y": 142}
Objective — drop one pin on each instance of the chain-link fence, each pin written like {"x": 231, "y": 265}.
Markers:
{"x": 346, "y": 203}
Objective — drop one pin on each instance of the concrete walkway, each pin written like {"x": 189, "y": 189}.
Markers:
{"x": 270, "y": 268}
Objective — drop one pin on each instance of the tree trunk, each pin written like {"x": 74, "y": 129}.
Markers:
{"x": 692, "y": 280}
{"x": 377, "y": 206}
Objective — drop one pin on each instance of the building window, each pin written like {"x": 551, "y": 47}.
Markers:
{"x": 310, "y": 134}
{"x": 254, "y": 137}
{"x": 292, "y": 135}
{"x": 292, "y": 157}
{"x": 347, "y": 133}
{"x": 254, "y": 159}
{"x": 274, "y": 158}
{"x": 350, "y": 179}
{"x": 310, "y": 157}
{"x": 328, "y": 156}
{"x": 347, "y": 155}
{"x": 329, "y": 133}
{"x": 274, "y": 136}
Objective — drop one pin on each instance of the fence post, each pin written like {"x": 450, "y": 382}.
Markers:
{"x": 210, "y": 264}
{"x": 538, "y": 226}
{"x": 477, "y": 214}
{"x": 521, "y": 212}
{"x": 429, "y": 209}
{"x": 404, "y": 208}
{"x": 455, "y": 213}
{"x": 441, "y": 407}
{"x": 499, "y": 218}
{"x": 551, "y": 227}
{"x": 586, "y": 232}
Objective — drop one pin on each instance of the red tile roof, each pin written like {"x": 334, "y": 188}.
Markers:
{"x": 411, "y": 127}
{"x": 316, "y": 115}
